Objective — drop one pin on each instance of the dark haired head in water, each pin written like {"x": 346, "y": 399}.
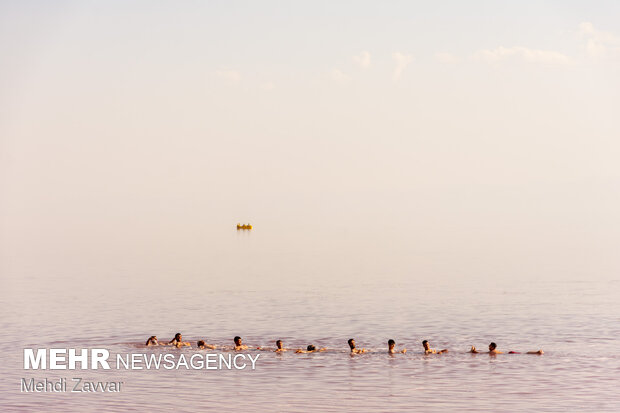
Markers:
{"x": 177, "y": 339}
{"x": 152, "y": 341}
{"x": 239, "y": 344}
{"x": 353, "y": 349}
{"x": 310, "y": 349}
{"x": 279, "y": 347}
{"x": 493, "y": 349}
{"x": 202, "y": 344}
{"x": 392, "y": 345}
{"x": 429, "y": 350}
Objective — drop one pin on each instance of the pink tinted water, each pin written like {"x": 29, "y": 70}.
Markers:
{"x": 322, "y": 290}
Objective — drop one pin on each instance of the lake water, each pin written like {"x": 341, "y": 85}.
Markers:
{"x": 322, "y": 286}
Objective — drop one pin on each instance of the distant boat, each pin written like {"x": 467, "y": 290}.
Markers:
{"x": 244, "y": 226}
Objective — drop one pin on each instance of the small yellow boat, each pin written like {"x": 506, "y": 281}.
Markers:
{"x": 244, "y": 226}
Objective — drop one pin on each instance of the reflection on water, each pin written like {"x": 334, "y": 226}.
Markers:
{"x": 308, "y": 295}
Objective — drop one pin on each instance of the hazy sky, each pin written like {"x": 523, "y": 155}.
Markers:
{"x": 466, "y": 123}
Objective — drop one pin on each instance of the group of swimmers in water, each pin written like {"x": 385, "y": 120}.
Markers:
{"x": 178, "y": 342}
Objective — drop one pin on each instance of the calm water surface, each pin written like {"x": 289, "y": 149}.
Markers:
{"x": 264, "y": 287}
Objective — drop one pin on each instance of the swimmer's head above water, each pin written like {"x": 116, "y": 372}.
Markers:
{"x": 429, "y": 350}
{"x": 200, "y": 344}
{"x": 391, "y": 347}
{"x": 152, "y": 341}
{"x": 279, "y": 344}
{"x": 311, "y": 348}
{"x": 355, "y": 350}
{"x": 239, "y": 344}
{"x": 493, "y": 349}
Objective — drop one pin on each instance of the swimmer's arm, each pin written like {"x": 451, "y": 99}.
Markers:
{"x": 473, "y": 350}
{"x": 445, "y": 350}
{"x": 539, "y": 352}
{"x": 403, "y": 351}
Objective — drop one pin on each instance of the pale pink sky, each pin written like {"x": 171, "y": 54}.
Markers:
{"x": 134, "y": 130}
